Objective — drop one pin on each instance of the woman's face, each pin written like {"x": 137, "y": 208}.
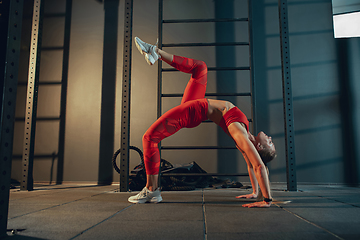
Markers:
{"x": 265, "y": 141}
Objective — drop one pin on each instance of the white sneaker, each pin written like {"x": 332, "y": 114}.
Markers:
{"x": 147, "y": 50}
{"x": 146, "y": 196}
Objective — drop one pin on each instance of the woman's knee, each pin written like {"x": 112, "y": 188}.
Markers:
{"x": 150, "y": 138}
{"x": 201, "y": 65}
{"x": 146, "y": 137}
{"x": 199, "y": 72}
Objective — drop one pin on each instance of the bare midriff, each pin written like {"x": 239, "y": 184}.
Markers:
{"x": 217, "y": 109}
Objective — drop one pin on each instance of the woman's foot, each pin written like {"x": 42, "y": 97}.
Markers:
{"x": 148, "y": 50}
{"x": 146, "y": 196}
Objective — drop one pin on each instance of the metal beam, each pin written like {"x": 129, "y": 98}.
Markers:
{"x": 213, "y": 44}
{"x": 160, "y": 70}
{"x": 125, "y": 110}
{"x": 108, "y": 86}
{"x": 252, "y": 70}
{"x": 204, "y": 174}
{"x": 205, "y": 20}
{"x": 194, "y": 147}
{"x": 211, "y": 95}
{"x": 31, "y": 98}
{"x": 13, "y": 19}
{"x": 212, "y": 69}
{"x": 287, "y": 97}
{"x": 64, "y": 85}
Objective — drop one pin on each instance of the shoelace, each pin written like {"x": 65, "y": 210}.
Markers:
{"x": 143, "y": 193}
{"x": 152, "y": 51}
{"x": 152, "y": 47}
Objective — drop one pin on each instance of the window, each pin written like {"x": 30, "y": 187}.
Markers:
{"x": 346, "y": 18}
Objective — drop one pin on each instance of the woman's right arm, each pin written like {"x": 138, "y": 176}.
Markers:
{"x": 254, "y": 182}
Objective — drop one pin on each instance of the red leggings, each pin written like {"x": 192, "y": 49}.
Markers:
{"x": 190, "y": 113}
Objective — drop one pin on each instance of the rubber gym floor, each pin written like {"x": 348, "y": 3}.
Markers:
{"x": 86, "y": 211}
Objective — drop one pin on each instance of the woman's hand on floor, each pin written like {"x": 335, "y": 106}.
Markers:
{"x": 248, "y": 196}
{"x": 262, "y": 204}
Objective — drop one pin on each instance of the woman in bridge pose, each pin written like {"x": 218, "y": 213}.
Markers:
{"x": 195, "y": 108}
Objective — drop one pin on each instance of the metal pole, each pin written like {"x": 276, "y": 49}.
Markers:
{"x": 31, "y": 99}
{"x": 287, "y": 97}
{"x": 159, "y": 100}
{"x": 108, "y": 94}
{"x": 252, "y": 71}
{"x": 64, "y": 84}
{"x": 125, "y": 120}
{"x": 10, "y": 76}
{"x": 160, "y": 45}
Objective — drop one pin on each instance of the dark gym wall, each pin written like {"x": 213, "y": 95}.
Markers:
{"x": 320, "y": 86}
{"x": 323, "y": 135}
{"x": 315, "y": 88}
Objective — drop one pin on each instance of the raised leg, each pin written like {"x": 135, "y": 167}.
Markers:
{"x": 196, "y": 86}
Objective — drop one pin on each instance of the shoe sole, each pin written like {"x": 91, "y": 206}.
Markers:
{"x": 156, "y": 199}
{"x": 153, "y": 200}
{"x": 137, "y": 201}
{"x": 148, "y": 59}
